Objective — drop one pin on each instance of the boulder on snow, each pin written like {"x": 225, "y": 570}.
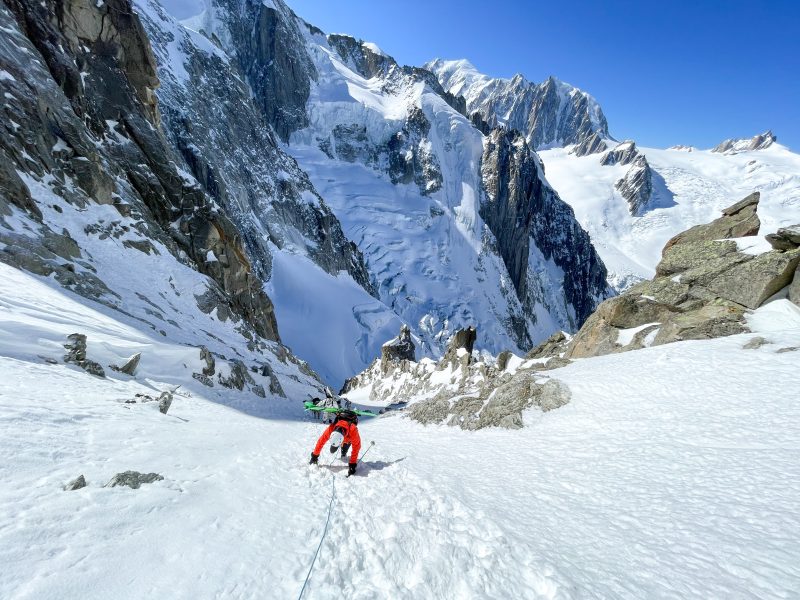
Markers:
{"x": 204, "y": 379}
{"x": 503, "y": 359}
{"x": 133, "y": 479}
{"x": 76, "y": 484}
{"x": 76, "y": 354}
{"x": 129, "y": 368}
{"x": 164, "y": 402}
{"x": 756, "y": 343}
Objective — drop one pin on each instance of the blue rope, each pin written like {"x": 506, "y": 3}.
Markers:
{"x": 322, "y": 539}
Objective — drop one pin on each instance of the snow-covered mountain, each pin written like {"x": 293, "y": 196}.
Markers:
{"x": 630, "y": 199}
{"x": 689, "y": 186}
{"x": 549, "y": 114}
{"x": 456, "y": 225}
{"x": 94, "y": 203}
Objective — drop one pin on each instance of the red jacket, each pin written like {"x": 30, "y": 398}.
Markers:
{"x": 350, "y": 437}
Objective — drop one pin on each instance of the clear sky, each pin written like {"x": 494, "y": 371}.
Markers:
{"x": 665, "y": 72}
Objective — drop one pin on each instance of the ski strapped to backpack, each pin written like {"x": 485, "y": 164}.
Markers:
{"x": 339, "y": 411}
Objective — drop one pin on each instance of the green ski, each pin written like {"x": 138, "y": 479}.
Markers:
{"x": 332, "y": 409}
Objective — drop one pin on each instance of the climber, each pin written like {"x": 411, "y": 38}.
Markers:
{"x": 343, "y": 433}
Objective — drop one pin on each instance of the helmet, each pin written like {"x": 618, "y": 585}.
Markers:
{"x": 337, "y": 439}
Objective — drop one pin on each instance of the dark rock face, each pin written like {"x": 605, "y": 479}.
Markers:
{"x": 399, "y": 349}
{"x": 234, "y": 156}
{"x": 406, "y": 156}
{"x": 702, "y": 288}
{"x": 133, "y": 479}
{"x": 106, "y": 94}
{"x": 269, "y": 49}
{"x": 637, "y": 185}
{"x": 523, "y": 211}
{"x": 591, "y": 145}
{"x": 359, "y": 57}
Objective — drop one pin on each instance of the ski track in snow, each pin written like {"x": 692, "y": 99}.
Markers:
{"x": 672, "y": 473}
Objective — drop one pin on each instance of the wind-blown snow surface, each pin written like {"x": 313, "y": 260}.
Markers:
{"x": 689, "y": 188}
{"x": 672, "y": 473}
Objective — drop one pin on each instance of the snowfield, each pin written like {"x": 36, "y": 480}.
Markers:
{"x": 689, "y": 188}
{"x": 673, "y": 473}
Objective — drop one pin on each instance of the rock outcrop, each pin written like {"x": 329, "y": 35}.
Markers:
{"x": 623, "y": 153}
{"x": 637, "y": 185}
{"x": 593, "y": 144}
{"x": 757, "y": 142}
{"x": 133, "y": 479}
{"x": 702, "y": 289}
{"x": 464, "y": 388}
{"x": 786, "y": 238}
{"x": 75, "y": 484}
{"x": 76, "y": 354}
{"x": 739, "y": 220}
{"x": 524, "y": 213}
{"x": 399, "y": 349}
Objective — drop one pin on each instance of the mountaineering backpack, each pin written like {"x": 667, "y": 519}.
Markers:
{"x": 347, "y": 415}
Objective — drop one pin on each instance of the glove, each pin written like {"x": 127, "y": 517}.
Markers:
{"x": 314, "y": 458}
{"x": 351, "y": 470}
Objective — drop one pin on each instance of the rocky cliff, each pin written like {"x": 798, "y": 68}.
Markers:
{"x": 551, "y": 113}
{"x": 224, "y": 138}
{"x": 536, "y": 231}
{"x": 92, "y": 194}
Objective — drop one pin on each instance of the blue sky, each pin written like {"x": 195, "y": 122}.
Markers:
{"x": 669, "y": 72}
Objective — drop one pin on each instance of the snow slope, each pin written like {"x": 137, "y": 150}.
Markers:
{"x": 690, "y": 187}
{"x": 672, "y": 473}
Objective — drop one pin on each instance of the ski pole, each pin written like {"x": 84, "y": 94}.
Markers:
{"x": 371, "y": 444}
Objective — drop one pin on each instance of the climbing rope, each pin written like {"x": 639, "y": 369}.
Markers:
{"x": 322, "y": 539}
{"x": 327, "y": 521}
